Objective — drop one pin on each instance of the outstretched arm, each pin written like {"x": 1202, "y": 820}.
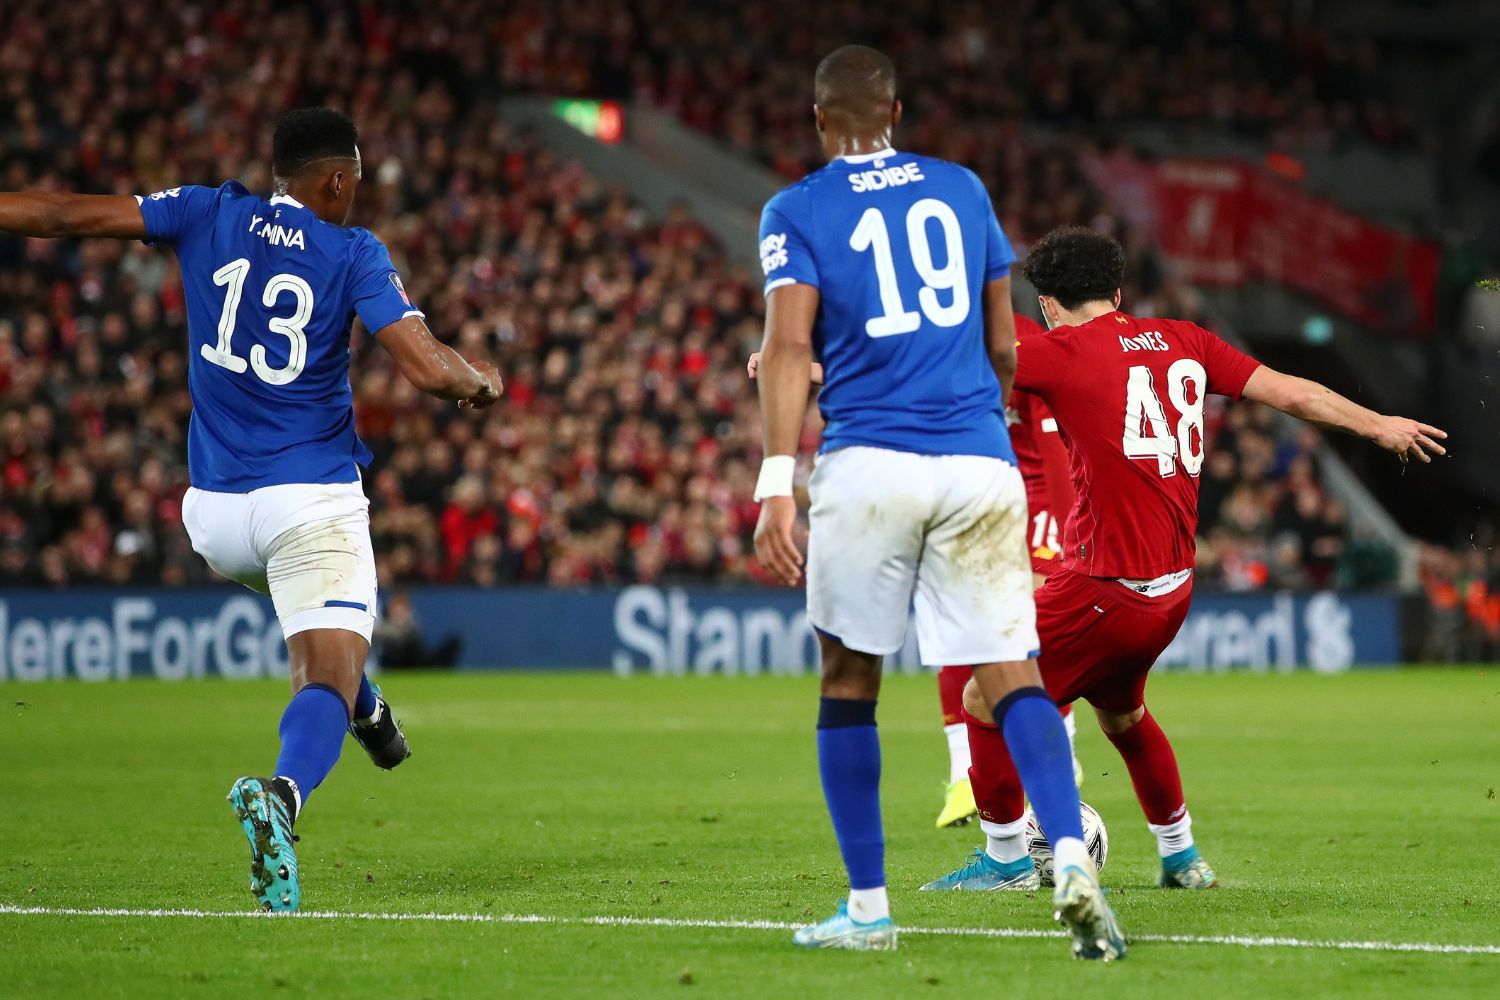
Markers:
{"x": 49, "y": 214}
{"x": 436, "y": 368}
{"x": 785, "y": 382}
{"x": 1320, "y": 405}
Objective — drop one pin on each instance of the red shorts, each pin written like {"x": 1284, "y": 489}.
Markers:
{"x": 1099, "y": 639}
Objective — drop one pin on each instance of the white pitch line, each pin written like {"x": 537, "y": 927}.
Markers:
{"x": 1233, "y": 940}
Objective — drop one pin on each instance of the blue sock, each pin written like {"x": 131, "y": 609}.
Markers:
{"x": 364, "y": 702}
{"x": 849, "y": 764}
{"x": 1038, "y": 745}
{"x": 312, "y": 735}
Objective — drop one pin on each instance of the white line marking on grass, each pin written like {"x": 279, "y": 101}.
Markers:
{"x": 1233, "y": 940}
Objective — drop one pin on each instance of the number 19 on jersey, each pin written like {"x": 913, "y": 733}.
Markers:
{"x": 871, "y": 234}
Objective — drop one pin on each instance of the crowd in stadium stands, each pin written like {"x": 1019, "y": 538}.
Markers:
{"x": 970, "y": 71}
{"x": 626, "y": 446}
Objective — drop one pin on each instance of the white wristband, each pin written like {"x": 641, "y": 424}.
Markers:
{"x": 775, "y": 476}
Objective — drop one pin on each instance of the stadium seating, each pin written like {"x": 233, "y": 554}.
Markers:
{"x": 626, "y": 446}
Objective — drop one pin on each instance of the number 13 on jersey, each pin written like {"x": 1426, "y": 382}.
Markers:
{"x": 231, "y": 277}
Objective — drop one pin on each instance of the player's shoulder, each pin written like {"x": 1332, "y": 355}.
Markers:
{"x": 794, "y": 199}
{"x": 1178, "y": 334}
{"x": 939, "y": 166}
{"x": 200, "y": 194}
{"x": 232, "y": 190}
{"x": 947, "y": 171}
{"x": 1158, "y": 335}
{"x": 359, "y": 238}
{"x": 1154, "y": 322}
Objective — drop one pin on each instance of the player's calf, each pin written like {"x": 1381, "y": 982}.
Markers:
{"x": 849, "y": 768}
{"x": 958, "y": 796}
{"x": 1153, "y": 771}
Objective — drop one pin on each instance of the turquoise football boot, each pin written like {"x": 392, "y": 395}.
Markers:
{"x": 842, "y": 931}
{"x": 1186, "y": 870}
{"x": 1078, "y": 903}
{"x": 983, "y": 873}
{"x": 267, "y": 822}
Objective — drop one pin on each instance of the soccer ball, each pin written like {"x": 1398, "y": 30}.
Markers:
{"x": 1095, "y": 838}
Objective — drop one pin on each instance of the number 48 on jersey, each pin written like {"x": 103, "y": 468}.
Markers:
{"x": 1147, "y": 434}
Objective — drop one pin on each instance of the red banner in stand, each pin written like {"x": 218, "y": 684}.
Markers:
{"x": 1201, "y": 217}
{"x": 1375, "y": 275}
{"x": 1223, "y": 223}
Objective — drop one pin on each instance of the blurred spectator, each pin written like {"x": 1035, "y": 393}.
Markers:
{"x": 1463, "y": 602}
{"x": 399, "y": 641}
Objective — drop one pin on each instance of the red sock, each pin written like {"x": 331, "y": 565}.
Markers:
{"x": 951, "y": 681}
{"x": 997, "y": 786}
{"x": 1153, "y": 770}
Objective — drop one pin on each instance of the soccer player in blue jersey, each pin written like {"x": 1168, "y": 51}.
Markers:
{"x": 272, "y": 287}
{"x": 891, "y": 271}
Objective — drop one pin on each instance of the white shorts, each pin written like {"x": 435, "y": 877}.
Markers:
{"x": 946, "y": 533}
{"x": 308, "y": 546}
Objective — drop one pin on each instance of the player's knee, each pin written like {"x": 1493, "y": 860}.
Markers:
{"x": 1114, "y": 723}
{"x": 974, "y": 701}
{"x": 848, "y": 673}
{"x": 332, "y": 657}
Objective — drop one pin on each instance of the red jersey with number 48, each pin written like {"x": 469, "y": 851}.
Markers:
{"x": 1128, "y": 396}
{"x": 1043, "y": 460}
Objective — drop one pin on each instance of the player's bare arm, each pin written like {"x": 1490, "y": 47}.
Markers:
{"x": 1321, "y": 406}
{"x": 1000, "y": 332}
{"x": 785, "y": 377}
{"x": 438, "y": 369}
{"x": 50, "y": 214}
{"x": 53, "y": 215}
{"x": 753, "y": 366}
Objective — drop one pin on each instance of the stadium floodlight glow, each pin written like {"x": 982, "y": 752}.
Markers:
{"x": 604, "y": 120}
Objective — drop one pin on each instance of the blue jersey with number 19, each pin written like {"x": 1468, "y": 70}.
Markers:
{"x": 899, "y": 248}
{"x": 271, "y": 293}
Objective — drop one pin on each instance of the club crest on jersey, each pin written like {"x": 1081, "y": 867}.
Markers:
{"x": 400, "y": 289}
{"x": 773, "y": 252}
{"x": 276, "y": 234}
{"x": 1149, "y": 341}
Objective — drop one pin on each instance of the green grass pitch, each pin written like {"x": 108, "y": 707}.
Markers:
{"x": 1350, "y": 808}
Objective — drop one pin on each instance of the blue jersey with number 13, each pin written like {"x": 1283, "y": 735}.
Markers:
{"x": 271, "y": 292}
{"x": 899, "y": 248}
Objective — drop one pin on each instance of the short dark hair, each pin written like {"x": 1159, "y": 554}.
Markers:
{"x": 309, "y": 134}
{"x": 1074, "y": 265}
{"x": 855, "y": 86}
